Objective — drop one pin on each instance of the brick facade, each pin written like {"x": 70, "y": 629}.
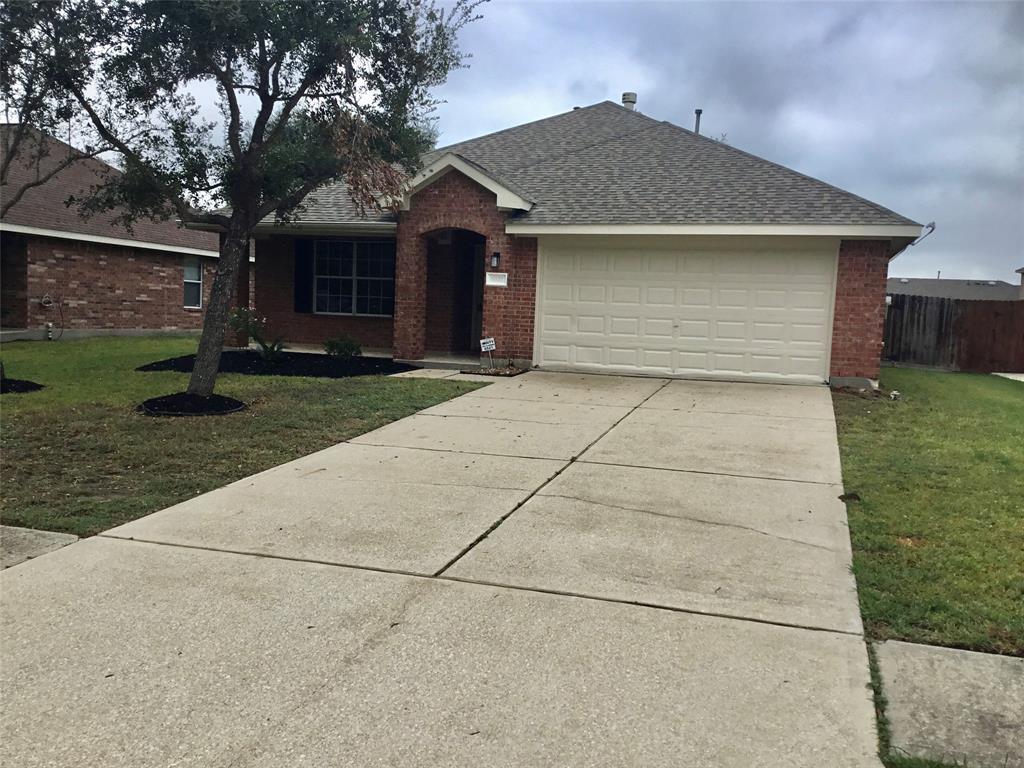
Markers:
{"x": 275, "y": 299}
{"x": 859, "y": 318}
{"x": 92, "y": 286}
{"x": 456, "y": 202}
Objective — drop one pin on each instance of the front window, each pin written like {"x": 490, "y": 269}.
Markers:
{"x": 193, "y": 282}
{"x": 354, "y": 277}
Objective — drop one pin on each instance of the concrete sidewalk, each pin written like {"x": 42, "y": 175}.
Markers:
{"x": 555, "y": 569}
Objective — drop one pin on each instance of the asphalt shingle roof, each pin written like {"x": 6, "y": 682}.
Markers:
{"x": 605, "y": 164}
{"x": 332, "y": 204}
{"x": 43, "y": 206}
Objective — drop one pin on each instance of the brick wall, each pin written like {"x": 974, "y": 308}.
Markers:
{"x": 97, "y": 286}
{"x": 860, "y": 308}
{"x": 456, "y": 202}
{"x": 275, "y": 299}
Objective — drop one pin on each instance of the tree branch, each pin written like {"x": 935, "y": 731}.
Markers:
{"x": 226, "y": 79}
{"x": 38, "y": 181}
{"x": 185, "y": 212}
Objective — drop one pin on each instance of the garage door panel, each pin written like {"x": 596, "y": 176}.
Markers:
{"x": 659, "y": 296}
{"x": 625, "y": 326}
{"x": 556, "y": 353}
{"x": 623, "y": 357}
{"x": 625, "y": 294}
{"x": 756, "y": 313}
{"x": 557, "y": 291}
{"x": 590, "y": 324}
{"x": 556, "y": 323}
{"x": 592, "y": 261}
{"x": 697, "y": 297}
{"x": 592, "y": 294}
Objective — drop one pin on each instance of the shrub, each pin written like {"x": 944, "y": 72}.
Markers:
{"x": 343, "y": 347}
{"x": 244, "y": 319}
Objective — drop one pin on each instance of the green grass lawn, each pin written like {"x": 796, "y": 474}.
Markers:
{"x": 938, "y": 533}
{"x": 76, "y": 457}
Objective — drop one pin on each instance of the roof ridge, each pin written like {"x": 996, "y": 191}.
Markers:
{"x": 448, "y": 147}
{"x": 789, "y": 170}
{"x": 576, "y": 150}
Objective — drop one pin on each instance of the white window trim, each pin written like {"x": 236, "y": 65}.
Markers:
{"x": 185, "y": 281}
{"x": 354, "y": 277}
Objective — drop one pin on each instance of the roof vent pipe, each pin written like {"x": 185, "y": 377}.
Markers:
{"x": 629, "y": 100}
{"x": 696, "y": 121}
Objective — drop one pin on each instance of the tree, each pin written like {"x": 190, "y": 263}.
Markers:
{"x": 35, "y": 105}
{"x": 310, "y": 92}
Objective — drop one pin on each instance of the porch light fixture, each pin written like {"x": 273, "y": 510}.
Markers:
{"x": 495, "y": 258}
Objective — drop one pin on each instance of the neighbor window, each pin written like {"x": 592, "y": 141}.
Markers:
{"x": 193, "y": 282}
{"x": 354, "y": 278}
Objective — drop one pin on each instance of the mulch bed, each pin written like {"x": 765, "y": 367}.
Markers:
{"x": 18, "y": 385}
{"x": 184, "y": 404}
{"x": 505, "y": 370}
{"x": 291, "y": 364}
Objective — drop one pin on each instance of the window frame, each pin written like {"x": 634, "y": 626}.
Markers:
{"x": 185, "y": 281}
{"x": 354, "y": 277}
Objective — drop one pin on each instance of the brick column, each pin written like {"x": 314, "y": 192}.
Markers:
{"x": 410, "y": 328}
{"x": 859, "y": 320}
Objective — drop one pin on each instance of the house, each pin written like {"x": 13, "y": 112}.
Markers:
{"x": 65, "y": 274}
{"x": 945, "y": 288}
{"x": 598, "y": 240}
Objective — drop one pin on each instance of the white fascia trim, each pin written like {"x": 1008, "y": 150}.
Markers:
{"x": 23, "y": 230}
{"x": 787, "y": 230}
{"x": 507, "y": 199}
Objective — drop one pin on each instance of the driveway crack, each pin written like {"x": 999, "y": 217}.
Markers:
{"x": 688, "y": 518}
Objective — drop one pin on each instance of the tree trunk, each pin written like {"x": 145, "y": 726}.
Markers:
{"x": 234, "y": 246}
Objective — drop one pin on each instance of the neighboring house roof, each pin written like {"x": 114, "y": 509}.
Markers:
{"x": 943, "y": 288}
{"x": 608, "y": 165}
{"x": 42, "y": 208}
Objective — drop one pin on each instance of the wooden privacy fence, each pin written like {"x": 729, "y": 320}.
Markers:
{"x": 956, "y": 334}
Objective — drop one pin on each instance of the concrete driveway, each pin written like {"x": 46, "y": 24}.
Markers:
{"x": 553, "y": 570}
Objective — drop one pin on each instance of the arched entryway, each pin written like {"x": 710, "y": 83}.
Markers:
{"x": 454, "y": 291}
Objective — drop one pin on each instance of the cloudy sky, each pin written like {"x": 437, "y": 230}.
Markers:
{"x": 917, "y": 106}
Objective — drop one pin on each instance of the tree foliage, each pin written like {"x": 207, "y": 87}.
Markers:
{"x": 310, "y": 92}
{"x": 35, "y": 105}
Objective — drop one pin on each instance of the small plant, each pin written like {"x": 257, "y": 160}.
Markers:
{"x": 343, "y": 347}
{"x": 244, "y": 319}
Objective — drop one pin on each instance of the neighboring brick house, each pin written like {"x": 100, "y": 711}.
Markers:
{"x": 597, "y": 240}
{"x": 88, "y": 276}
{"x": 948, "y": 288}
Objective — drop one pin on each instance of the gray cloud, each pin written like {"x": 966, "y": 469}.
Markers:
{"x": 917, "y": 106}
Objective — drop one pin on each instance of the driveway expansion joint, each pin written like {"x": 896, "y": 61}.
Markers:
{"x": 483, "y": 583}
{"x": 547, "y": 482}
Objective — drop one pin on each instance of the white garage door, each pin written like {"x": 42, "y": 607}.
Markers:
{"x": 733, "y": 309}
